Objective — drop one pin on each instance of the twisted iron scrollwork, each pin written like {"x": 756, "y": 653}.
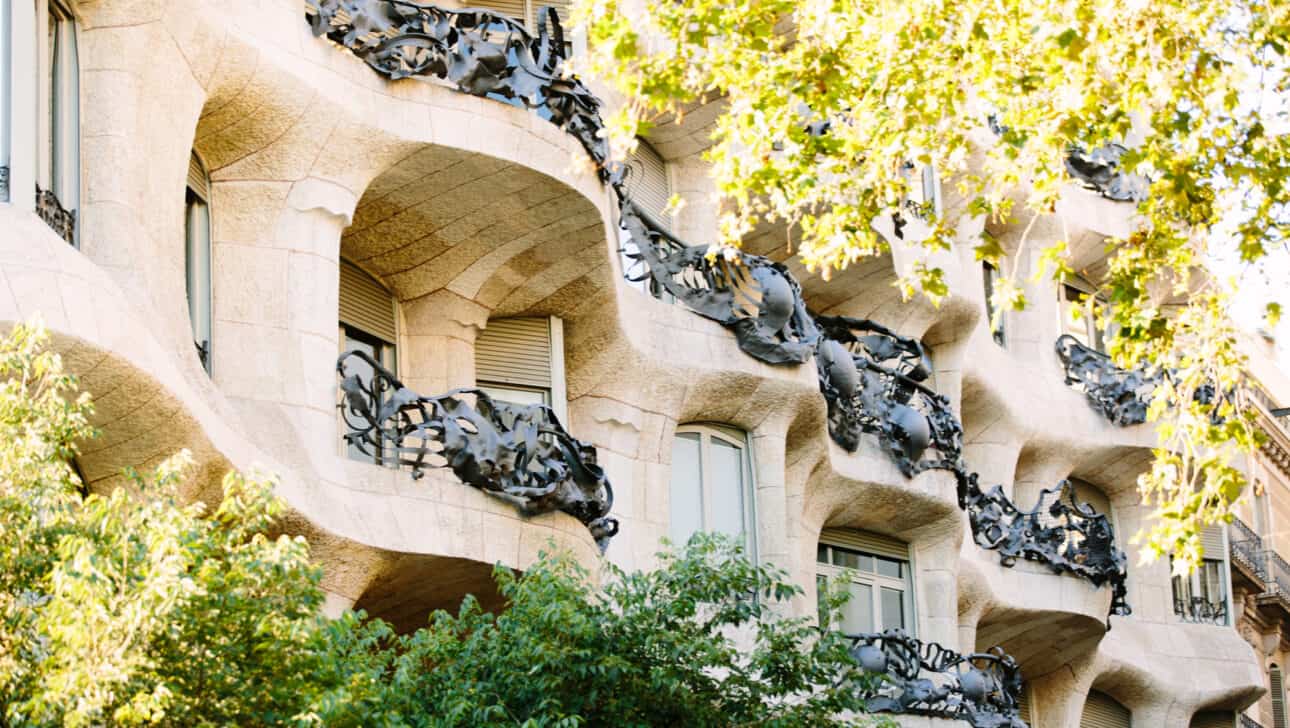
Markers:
{"x": 520, "y": 453}
{"x": 57, "y": 217}
{"x": 1061, "y": 532}
{"x": 1099, "y": 170}
{"x": 873, "y": 380}
{"x": 1200, "y": 610}
{"x": 925, "y": 678}
{"x": 1122, "y": 396}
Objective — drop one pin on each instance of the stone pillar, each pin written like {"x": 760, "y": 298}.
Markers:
{"x": 437, "y": 341}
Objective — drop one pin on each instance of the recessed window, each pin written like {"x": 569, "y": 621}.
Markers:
{"x": 58, "y": 169}
{"x": 650, "y": 188}
{"x": 1103, "y": 711}
{"x": 521, "y": 360}
{"x": 368, "y": 324}
{"x": 527, "y": 13}
{"x": 1076, "y": 307}
{"x": 197, "y": 257}
{"x": 712, "y": 485}
{"x": 877, "y": 573}
{"x": 1201, "y": 596}
{"x": 990, "y": 280}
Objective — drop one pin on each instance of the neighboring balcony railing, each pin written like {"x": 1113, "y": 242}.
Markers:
{"x": 1099, "y": 170}
{"x": 1120, "y": 395}
{"x": 873, "y": 381}
{"x": 61, "y": 220}
{"x": 1201, "y": 611}
{"x": 1247, "y": 548}
{"x": 520, "y": 453}
{"x": 1059, "y": 532}
{"x": 1248, "y": 722}
{"x": 924, "y": 678}
{"x": 1278, "y": 575}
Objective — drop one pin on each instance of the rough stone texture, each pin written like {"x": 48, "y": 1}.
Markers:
{"x": 469, "y": 209}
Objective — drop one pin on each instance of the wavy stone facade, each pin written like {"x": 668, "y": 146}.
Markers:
{"x": 469, "y": 207}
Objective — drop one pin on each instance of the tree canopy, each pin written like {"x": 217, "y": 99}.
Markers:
{"x": 130, "y": 608}
{"x": 826, "y": 103}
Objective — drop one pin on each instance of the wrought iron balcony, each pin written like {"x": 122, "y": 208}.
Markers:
{"x": 520, "y": 453}
{"x": 1248, "y": 722}
{"x": 924, "y": 678}
{"x": 1099, "y": 170}
{"x": 872, "y": 379}
{"x": 1060, "y": 532}
{"x": 1278, "y": 575}
{"x": 1120, "y": 395}
{"x": 1201, "y": 611}
{"x": 1247, "y": 548}
{"x": 61, "y": 220}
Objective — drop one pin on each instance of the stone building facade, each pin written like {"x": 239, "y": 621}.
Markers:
{"x": 214, "y": 200}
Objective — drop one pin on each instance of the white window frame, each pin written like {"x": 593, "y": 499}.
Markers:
{"x": 58, "y": 140}
{"x": 989, "y": 276}
{"x": 707, "y": 431}
{"x": 557, "y": 395}
{"x": 1194, "y": 585}
{"x": 877, "y": 582}
{"x": 197, "y": 266}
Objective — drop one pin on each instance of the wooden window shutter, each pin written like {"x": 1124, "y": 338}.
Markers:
{"x": 198, "y": 181}
{"x": 1276, "y": 687}
{"x": 870, "y": 543}
{"x": 1103, "y": 711}
{"x": 365, "y": 304}
{"x": 514, "y": 351}
{"x": 647, "y": 184}
{"x": 1213, "y": 719}
{"x": 1211, "y": 539}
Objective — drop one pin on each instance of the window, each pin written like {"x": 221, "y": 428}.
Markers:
{"x": 1103, "y": 711}
{"x": 58, "y": 178}
{"x": 367, "y": 324}
{"x": 521, "y": 360}
{"x": 1213, "y": 719}
{"x": 712, "y": 485}
{"x": 990, "y": 277}
{"x": 923, "y": 197}
{"x": 1202, "y": 595}
{"x": 878, "y": 575}
{"x": 1277, "y": 693}
{"x": 649, "y": 186}
{"x": 526, "y": 12}
{"x": 197, "y": 256}
{"x": 1077, "y": 316}
{"x": 5, "y": 66}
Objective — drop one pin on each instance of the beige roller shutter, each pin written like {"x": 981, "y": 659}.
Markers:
{"x": 1211, "y": 539}
{"x": 648, "y": 184}
{"x": 514, "y": 351}
{"x": 1023, "y": 705}
{"x": 870, "y": 543}
{"x": 561, "y": 9}
{"x": 1213, "y": 719}
{"x": 198, "y": 181}
{"x": 1103, "y": 711}
{"x": 1276, "y": 687}
{"x": 365, "y": 304}
{"x": 517, "y": 9}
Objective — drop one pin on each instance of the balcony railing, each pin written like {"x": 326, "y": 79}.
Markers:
{"x": 1201, "y": 611}
{"x": 924, "y": 678}
{"x": 1099, "y": 170}
{"x": 1120, "y": 395}
{"x": 1248, "y": 722}
{"x": 871, "y": 378}
{"x": 1247, "y": 548}
{"x": 520, "y": 453}
{"x": 61, "y": 220}
{"x": 1064, "y": 534}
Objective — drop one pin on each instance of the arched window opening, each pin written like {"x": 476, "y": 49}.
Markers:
{"x": 1103, "y": 711}
{"x": 712, "y": 485}
{"x": 197, "y": 256}
{"x": 877, "y": 573}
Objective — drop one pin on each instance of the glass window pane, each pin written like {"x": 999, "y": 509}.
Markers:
{"x": 687, "y": 488}
{"x": 1212, "y": 581}
{"x": 198, "y": 264}
{"x": 893, "y": 609}
{"x": 365, "y": 373}
{"x": 727, "y": 488}
{"x": 890, "y": 567}
{"x": 515, "y": 396}
{"x": 822, "y": 554}
{"x": 857, "y": 615}
{"x": 852, "y": 560}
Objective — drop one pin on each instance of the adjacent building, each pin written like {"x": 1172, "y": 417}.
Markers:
{"x": 213, "y": 201}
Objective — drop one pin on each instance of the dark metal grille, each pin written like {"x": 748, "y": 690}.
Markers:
{"x": 1121, "y": 396}
{"x": 1248, "y": 722}
{"x": 1099, "y": 170}
{"x": 1201, "y": 611}
{"x": 4, "y": 181}
{"x": 61, "y": 220}
{"x": 520, "y": 453}
{"x": 1246, "y": 547}
{"x": 925, "y": 678}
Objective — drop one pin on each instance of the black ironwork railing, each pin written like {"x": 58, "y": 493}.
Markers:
{"x": 4, "y": 182}
{"x": 1066, "y": 535}
{"x": 1246, "y": 547}
{"x": 520, "y": 453}
{"x": 924, "y": 678}
{"x": 1122, "y": 396}
{"x": 1100, "y": 170}
{"x": 1200, "y": 610}
{"x": 1248, "y": 722}
{"x": 871, "y": 377}
{"x": 61, "y": 220}
{"x": 1278, "y": 574}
